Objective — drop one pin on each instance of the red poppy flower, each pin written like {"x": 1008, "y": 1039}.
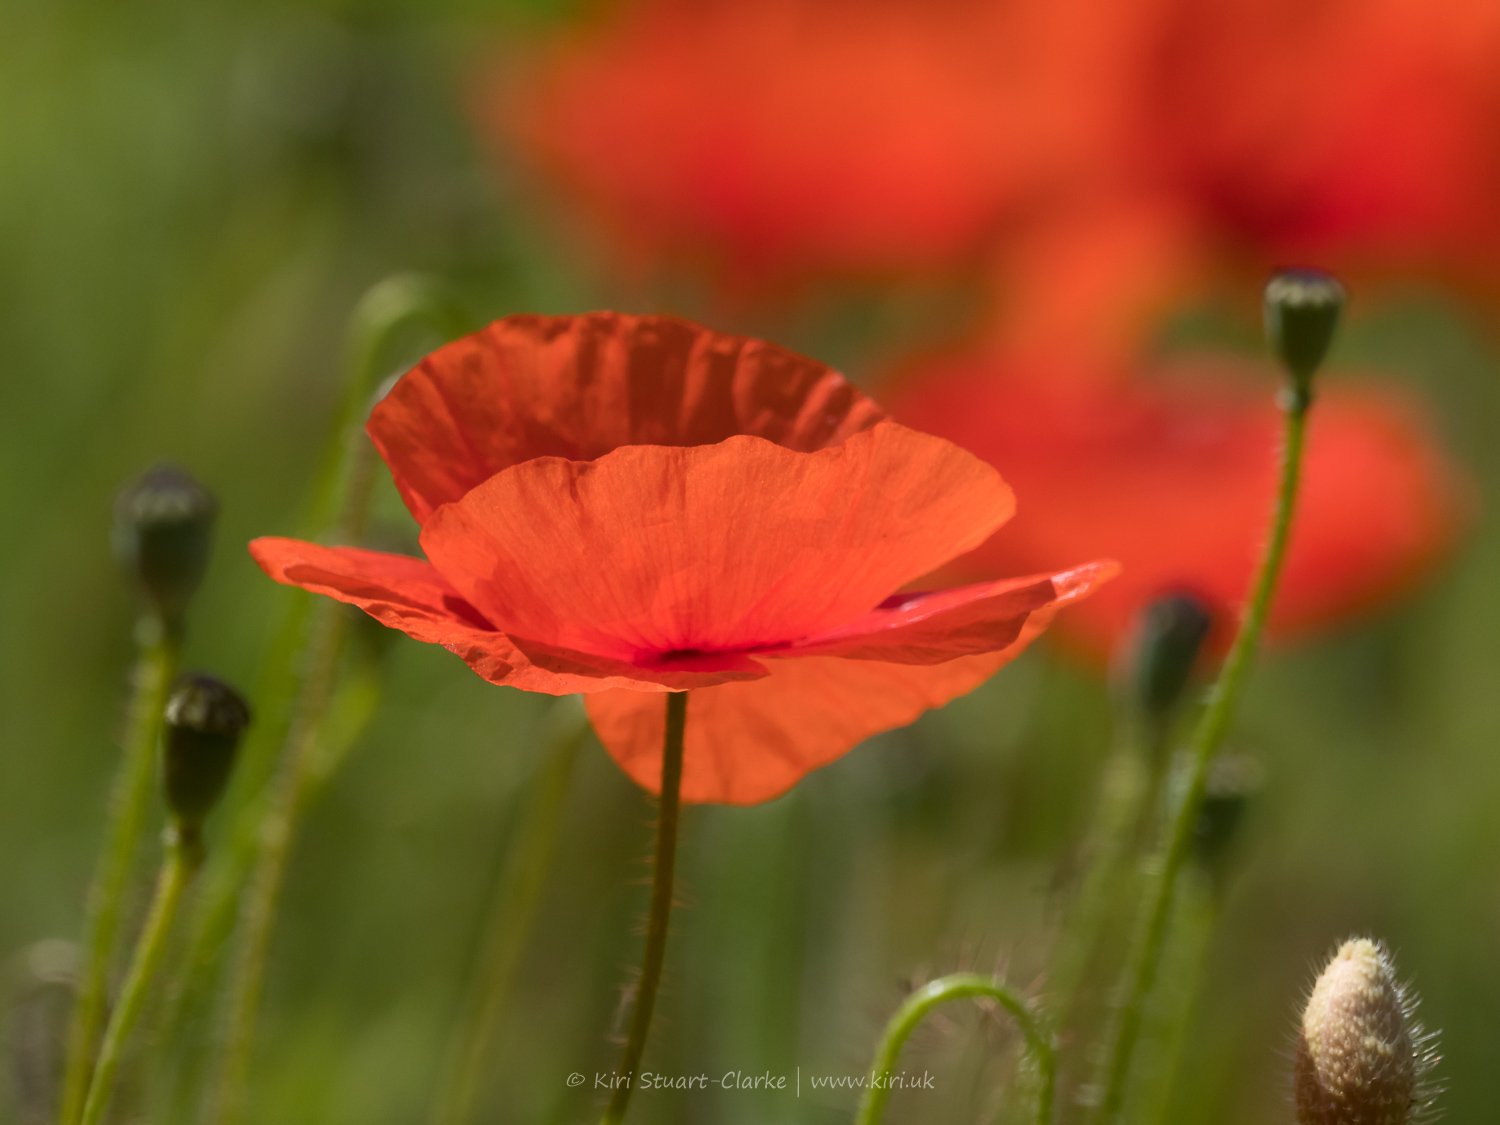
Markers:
{"x": 1354, "y": 133}
{"x": 623, "y": 506}
{"x": 1174, "y": 475}
{"x": 783, "y": 138}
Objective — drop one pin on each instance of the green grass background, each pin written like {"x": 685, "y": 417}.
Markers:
{"x": 192, "y": 197}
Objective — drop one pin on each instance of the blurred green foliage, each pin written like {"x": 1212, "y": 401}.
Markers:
{"x": 192, "y": 197}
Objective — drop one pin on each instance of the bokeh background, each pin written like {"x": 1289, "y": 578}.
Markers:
{"x": 192, "y": 199}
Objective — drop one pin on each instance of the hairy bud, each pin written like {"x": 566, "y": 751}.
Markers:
{"x": 163, "y": 533}
{"x": 1361, "y": 1055}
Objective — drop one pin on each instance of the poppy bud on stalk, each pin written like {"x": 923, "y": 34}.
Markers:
{"x": 1234, "y": 781}
{"x": 203, "y": 723}
{"x": 1302, "y": 310}
{"x": 1361, "y": 1055}
{"x": 1169, "y": 635}
{"x": 163, "y": 530}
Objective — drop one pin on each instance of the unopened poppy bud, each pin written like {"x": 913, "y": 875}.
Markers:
{"x": 204, "y": 720}
{"x": 163, "y": 532}
{"x": 1169, "y": 634}
{"x": 1234, "y": 781}
{"x": 1302, "y": 310}
{"x": 1361, "y": 1055}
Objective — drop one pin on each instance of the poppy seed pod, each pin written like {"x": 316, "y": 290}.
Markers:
{"x": 1169, "y": 635}
{"x": 203, "y": 723}
{"x": 1361, "y": 1055}
{"x": 163, "y": 534}
{"x": 1302, "y": 310}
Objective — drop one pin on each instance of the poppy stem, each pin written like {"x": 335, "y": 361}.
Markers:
{"x": 246, "y": 893}
{"x": 1129, "y": 797}
{"x": 958, "y": 986}
{"x": 511, "y": 911}
{"x": 661, "y": 907}
{"x": 1207, "y": 737}
{"x": 131, "y": 796}
{"x": 183, "y": 858}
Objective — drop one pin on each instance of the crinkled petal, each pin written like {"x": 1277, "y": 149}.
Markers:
{"x": 579, "y": 386}
{"x": 407, "y": 594}
{"x": 653, "y": 551}
{"x": 929, "y": 628}
{"x": 401, "y": 592}
{"x": 746, "y": 743}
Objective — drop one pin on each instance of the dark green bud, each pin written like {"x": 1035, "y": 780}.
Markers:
{"x": 1302, "y": 310}
{"x": 1234, "y": 781}
{"x": 163, "y": 534}
{"x": 1169, "y": 635}
{"x": 203, "y": 723}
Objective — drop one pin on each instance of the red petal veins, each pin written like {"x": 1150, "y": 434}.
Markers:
{"x": 653, "y": 551}
{"x": 579, "y": 386}
{"x": 929, "y": 628}
{"x": 401, "y": 592}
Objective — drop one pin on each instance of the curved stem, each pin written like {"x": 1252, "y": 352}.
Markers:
{"x": 386, "y": 309}
{"x": 1207, "y": 737}
{"x": 183, "y": 858}
{"x": 959, "y": 986}
{"x": 506, "y": 929}
{"x": 661, "y": 907}
{"x": 129, "y": 801}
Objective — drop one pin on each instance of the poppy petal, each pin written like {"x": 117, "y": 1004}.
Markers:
{"x": 399, "y": 591}
{"x": 750, "y": 742}
{"x": 732, "y": 547}
{"x": 929, "y": 628}
{"x": 579, "y": 386}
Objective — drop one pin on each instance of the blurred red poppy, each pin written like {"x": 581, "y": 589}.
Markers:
{"x": 1358, "y": 133}
{"x": 785, "y": 138}
{"x": 1173, "y": 474}
{"x": 1355, "y": 134}
{"x": 623, "y": 506}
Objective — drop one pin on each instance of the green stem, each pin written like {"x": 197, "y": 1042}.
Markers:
{"x": 661, "y": 907}
{"x": 289, "y": 796}
{"x": 386, "y": 310}
{"x": 958, "y": 986}
{"x": 1207, "y": 737}
{"x": 184, "y": 855}
{"x": 506, "y": 929}
{"x": 129, "y": 801}
{"x": 1187, "y": 948}
{"x": 1128, "y": 795}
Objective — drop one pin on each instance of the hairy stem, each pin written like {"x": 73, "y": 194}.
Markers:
{"x": 129, "y": 801}
{"x": 661, "y": 907}
{"x": 184, "y": 856}
{"x": 505, "y": 930}
{"x": 959, "y": 986}
{"x": 387, "y": 309}
{"x": 1207, "y": 737}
